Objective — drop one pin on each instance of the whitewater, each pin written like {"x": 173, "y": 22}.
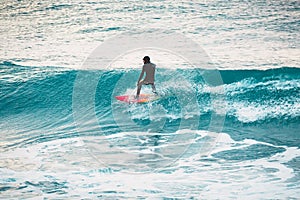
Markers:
{"x": 226, "y": 125}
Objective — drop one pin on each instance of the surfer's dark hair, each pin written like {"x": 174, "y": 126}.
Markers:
{"x": 146, "y": 59}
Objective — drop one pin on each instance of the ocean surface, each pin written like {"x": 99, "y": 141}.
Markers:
{"x": 226, "y": 125}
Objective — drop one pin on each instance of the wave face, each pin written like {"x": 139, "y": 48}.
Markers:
{"x": 37, "y": 100}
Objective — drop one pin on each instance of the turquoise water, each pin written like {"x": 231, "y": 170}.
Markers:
{"x": 230, "y": 131}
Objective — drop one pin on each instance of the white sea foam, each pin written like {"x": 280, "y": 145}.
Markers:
{"x": 58, "y": 163}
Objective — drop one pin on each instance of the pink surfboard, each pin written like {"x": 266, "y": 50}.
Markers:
{"x": 143, "y": 98}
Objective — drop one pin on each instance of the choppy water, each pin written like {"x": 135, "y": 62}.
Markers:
{"x": 64, "y": 136}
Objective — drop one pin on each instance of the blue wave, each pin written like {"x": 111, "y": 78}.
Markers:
{"x": 38, "y": 102}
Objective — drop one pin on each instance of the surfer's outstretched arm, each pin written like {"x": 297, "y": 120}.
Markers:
{"x": 139, "y": 83}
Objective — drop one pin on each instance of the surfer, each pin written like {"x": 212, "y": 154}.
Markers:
{"x": 149, "y": 68}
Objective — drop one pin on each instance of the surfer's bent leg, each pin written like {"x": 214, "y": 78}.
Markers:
{"x": 153, "y": 88}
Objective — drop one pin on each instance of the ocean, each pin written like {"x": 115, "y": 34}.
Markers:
{"x": 226, "y": 125}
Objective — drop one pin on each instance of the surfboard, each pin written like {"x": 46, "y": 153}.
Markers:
{"x": 143, "y": 98}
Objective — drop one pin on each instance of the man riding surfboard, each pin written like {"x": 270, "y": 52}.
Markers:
{"x": 149, "y": 69}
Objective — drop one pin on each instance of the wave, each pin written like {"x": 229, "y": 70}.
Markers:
{"x": 35, "y": 100}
